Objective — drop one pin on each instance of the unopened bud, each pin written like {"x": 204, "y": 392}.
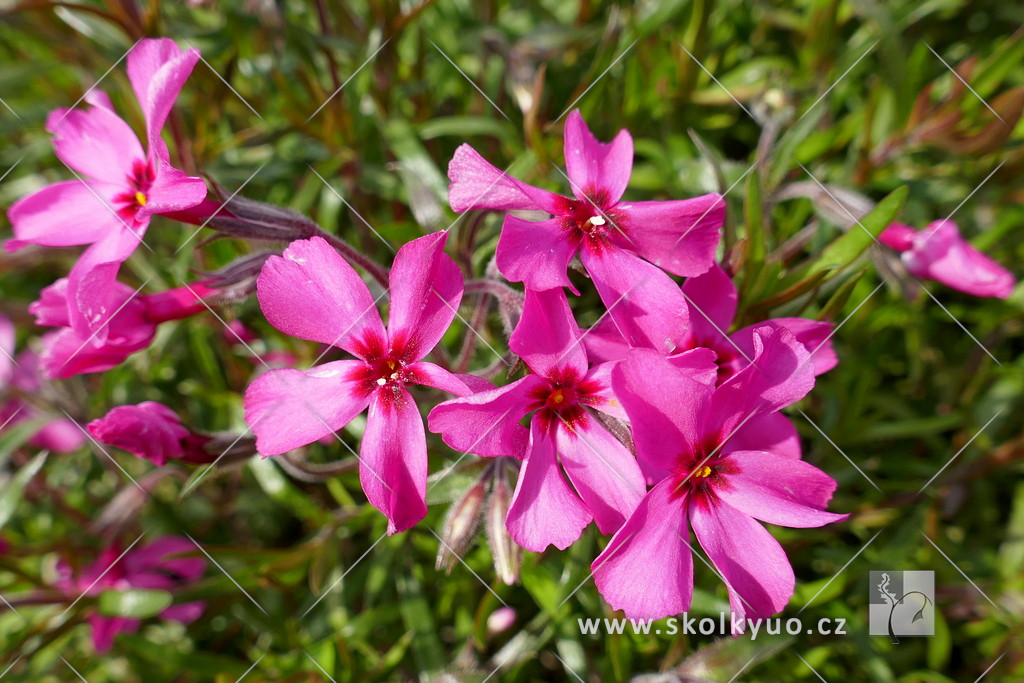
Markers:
{"x": 460, "y": 526}
{"x": 500, "y": 620}
{"x": 507, "y": 555}
{"x": 252, "y": 220}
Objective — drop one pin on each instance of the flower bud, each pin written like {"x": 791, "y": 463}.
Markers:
{"x": 460, "y": 526}
{"x": 507, "y": 555}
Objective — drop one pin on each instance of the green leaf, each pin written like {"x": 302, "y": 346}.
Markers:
{"x": 137, "y": 604}
{"x": 846, "y": 248}
{"x": 11, "y": 496}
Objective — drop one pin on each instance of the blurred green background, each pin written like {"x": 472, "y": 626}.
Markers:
{"x": 787, "y": 106}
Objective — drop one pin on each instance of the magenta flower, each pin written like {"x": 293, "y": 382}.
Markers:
{"x": 59, "y": 435}
{"x": 312, "y": 293}
{"x": 121, "y": 186}
{"x": 612, "y": 237}
{"x": 130, "y": 327}
{"x": 711, "y": 481}
{"x": 712, "y": 299}
{"x": 157, "y": 566}
{"x": 939, "y": 253}
{"x": 151, "y": 431}
{"x": 564, "y": 439}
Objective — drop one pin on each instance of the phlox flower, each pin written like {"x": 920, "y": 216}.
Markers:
{"x": 623, "y": 245}
{"x": 157, "y": 566}
{"x": 130, "y": 327}
{"x": 60, "y": 434}
{"x": 121, "y": 184}
{"x": 564, "y": 439}
{"x": 701, "y": 441}
{"x": 712, "y": 299}
{"x": 312, "y": 293}
{"x": 939, "y": 253}
{"x": 151, "y": 431}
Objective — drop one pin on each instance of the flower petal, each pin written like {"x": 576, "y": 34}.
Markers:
{"x": 647, "y": 568}
{"x": 172, "y": 191}
{"x": 648, "y": 308}
{"x": 426, "y": 288}
{"x": 815, "y": 336}
{"x": 596, "y": 170}
{"x": 755, "y": 567}
{"x": 680, "y": 236}
{"x": 64, "y": 214}
{"x": 158, "y": 69}
{"x": 545, "y": 510}
{"x": 149, "y": 430}
{"x": 487, "y": 423}
{"x": 393, "y": 460}
{"x": 97, "y": 143}
{"x": 162, "y": 564}
{"x": 599, "y": 394}
{"x": 779, "y": 375}
{"x": 712, "y": 298}
{"x": 666, "y": 406}
{"x": 7, "y": 340}
{"x": 606, "y": 475}
{"x": 779, "y": 490}
{"x": 941, "y": 254}
{"x": 476, "y": 184}
{"x": 772, "y": 432}
{"x": 604, "y": 342}
{"x": 92, "y": 282}
{"x": 547, "y": 337}
{"x": 311, "y": 292}
{"x": 435, "y": 376}
{"x": 535, "y": 253}
{"x": 288, "y": 408}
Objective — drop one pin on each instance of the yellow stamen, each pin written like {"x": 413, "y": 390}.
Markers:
{"x": 140, "y": 199}
{"x": 557, "y": 397}
{"x": 703, "y": 472}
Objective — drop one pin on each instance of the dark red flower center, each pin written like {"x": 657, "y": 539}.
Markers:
{"x": 701, "y": 477}
{"x": 594, "y": 219}
{"x": 140, "y": 180}
{"x": 563, "y": 397}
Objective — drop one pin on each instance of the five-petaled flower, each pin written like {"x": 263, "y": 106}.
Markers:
{"x": 606, "y": 482}
{"x": 713, "y": 473}
{"x": 130, "y": 327}
{"x": 612, "y": 237}
{"x": 121, "y": 186}
{"x": 160, "y": 565}
{"x": 312, "y": 293}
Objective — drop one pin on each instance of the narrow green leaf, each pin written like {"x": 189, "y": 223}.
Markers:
{"x": 137, "y": 604}
{"x": 846, "y": 248}
{"x": 11, "y": 496}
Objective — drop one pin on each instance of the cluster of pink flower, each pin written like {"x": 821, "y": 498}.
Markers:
{"x": 702, "y": 406}
{"x": 654, "y": 420}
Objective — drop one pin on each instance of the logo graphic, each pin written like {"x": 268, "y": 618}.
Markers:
{"x": 901, "y": 604}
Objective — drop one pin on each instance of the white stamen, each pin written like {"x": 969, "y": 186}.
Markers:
{"x": 382, "y": 381}
{"x": 597, "y": 220}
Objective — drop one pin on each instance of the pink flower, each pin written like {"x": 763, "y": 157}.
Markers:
{"x": 713, "y": 480}
{"x": 939, "y": 253}
{"x": 564, "y": 439}
{"x": 129, "y": 328}
{"x": 157, "y": 566}
{"x": 712, "y": 301}
{"x": 312, "y": 293}
{"x": 59, "y": 435}
{"x": 613, "y": 237}
{"x": 151, "y": 431}
{"x": 121, "y": 186}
